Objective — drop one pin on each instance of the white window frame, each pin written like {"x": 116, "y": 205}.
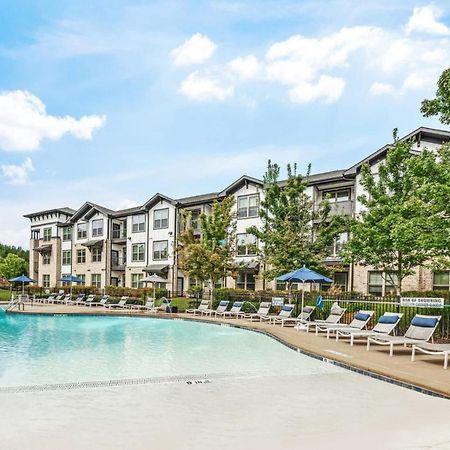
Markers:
{"x": 247, "y": 207}
{"x": 82, "y": 230}
{"x": 66, "y": 256}
{"x": 81, "y": 256}
{"x": 160, "y": 223}
{"x": 245, "y": 239}
{"x": 158, "y": 254}
{"x": 97, "y": 231}
{"x": 141, "y": 249}
{"x": 138, "y": 223}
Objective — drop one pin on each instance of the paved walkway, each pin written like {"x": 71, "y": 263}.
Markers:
{"x": 426, "y": 372}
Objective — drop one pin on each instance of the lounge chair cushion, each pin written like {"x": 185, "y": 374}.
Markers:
{"x": 388, "y": 319}
{"x": 223, "y": 303}
{"x": 287, "y": 308}
{"x": 362, "y": 316}
{"x": 428, "y": 322}
{"x": 308, "y": 309}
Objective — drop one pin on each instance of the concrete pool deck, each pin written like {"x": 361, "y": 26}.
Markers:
{"x": 425, "y": 373}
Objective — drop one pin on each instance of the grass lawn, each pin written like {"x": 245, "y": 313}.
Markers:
{"x": 4, "y": 295}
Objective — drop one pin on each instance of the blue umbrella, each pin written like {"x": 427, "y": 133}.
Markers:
{"x": 22, "y": 279}
{"x": 71, "y": 279}
{"x": 304, "y": 275}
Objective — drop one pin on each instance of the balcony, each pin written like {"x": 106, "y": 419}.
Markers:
{"x": 344, "y": 208}
{"x": 119, "y": 236}
{"x": 118, "y": 263}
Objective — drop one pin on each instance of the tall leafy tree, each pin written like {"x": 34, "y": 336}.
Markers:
{"x": 295, "y": 231}
{"x": 210, "y": 257}
{"x": 401, "y": 225}
{"x": 12, "y": 266}
{"x": 19, "y": 251}
{"x": 440, "y": 105}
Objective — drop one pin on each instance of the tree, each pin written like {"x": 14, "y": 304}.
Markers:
{"x": 401, "y": 226}
{"x": 439, "y": 106}
{"x": 12, "y": 266}
{"x": 209, "y": 258}
{"x": 5, "y": 249}
{"x": 289, "y": 235}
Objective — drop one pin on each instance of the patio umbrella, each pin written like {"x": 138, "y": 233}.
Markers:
{"x": 304, "y": 275}
{"x": 22, "y": 279}
{"x": 71, "y": 279}
{"x": 154, "y": 279}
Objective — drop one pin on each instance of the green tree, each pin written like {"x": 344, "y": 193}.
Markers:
{"x": 401, "y": 226}
{"x": 12, "y": 266}
{"x": 19, "y": 251}
{"x": 439, "y": 106}
{"x": 295, "y": 231}
{"x": 210, "y": 257}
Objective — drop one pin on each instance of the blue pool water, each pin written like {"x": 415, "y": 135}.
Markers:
{"x": 59, "y": 349}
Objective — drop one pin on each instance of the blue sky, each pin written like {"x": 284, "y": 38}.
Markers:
{"x": 111, "y": 101}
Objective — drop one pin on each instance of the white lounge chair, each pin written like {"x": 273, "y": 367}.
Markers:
{"x": 420, "y": 330}
{"x": 359, "y": 322}
{"x": 233, "y": 312}
{"x": 103, "y": 302}
{"x": 121, "y": 304}
{"x": 334, "y": 317}
{"x": 77, "y": 301}
{"x": 303, "y": 317}
{"x": 432, "y": 349}
{"x": 204, "y": 306}
{"x": 263, "y": 310}
{"x": 90, "y": 298}
{"x": 286, "y": 311}
{"x": 221, "y": 307}
{"x": 149, "y": 305}
{"x": 48, "y": 299}
{"x": 58, "y": 299}
{"x": 386, "y": 325}
{"x": 165, "y": 304}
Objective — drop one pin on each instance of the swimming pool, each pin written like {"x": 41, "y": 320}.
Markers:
{"x": 41, "y": 349}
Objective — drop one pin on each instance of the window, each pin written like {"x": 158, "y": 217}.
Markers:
{"x": 375, "y": 283}
{"x": 246, "y": 244}
{"x": 67, "y": 257}
{"x": 340, "y": 280}
{"x": 47, "y": 234}
{"x": 46, "y": 258}
{"x": 97, "y": 227}
{"x": 82, "y": 231}
{"x": 96, "y": 280}
{"x": 67, "y": 234}
{"x": 336, "y": 248}
{"x": 248, "y": 206}
{"x": 96, "y": 254}
{"x": 138, "y": 223}
{"x": 136, "y": 280}
{"x": 46, "y": 281}
{"x": 382, "y": 284}
{"x": 138, "y": 252}
{"x": 220, "y": 283}
{"x": 161, "y": 218}
{"x": 160, "y": 250}
{"x": 81, "y": 256}
{"x": 82, "y": 278}
{"x": 246, "y": 280}
{"x": 441, "y": 281}
{"x": 342, "y": 195}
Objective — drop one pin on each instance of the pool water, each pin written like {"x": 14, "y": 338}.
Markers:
{"x": 42, "y": 349}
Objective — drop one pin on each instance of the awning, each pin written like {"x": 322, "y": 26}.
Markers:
{"x": 97, "y": 243}
{"x": 43, "y": 248}
{"x": 156, "y": 268}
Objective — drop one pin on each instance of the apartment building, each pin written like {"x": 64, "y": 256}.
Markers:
{"x": 106, "y": 247}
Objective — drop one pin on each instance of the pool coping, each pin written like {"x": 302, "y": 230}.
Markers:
{"x": 353, "y": 368}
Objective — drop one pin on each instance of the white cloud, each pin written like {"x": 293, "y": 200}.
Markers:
{"x": 24, "y": 122}
{"x": 327, "y": 89}
{"x": 425, "y": 19}
{"x": 245, "y": 67}
{"x": 17, "y": 175}
{"x": 307, "y": 64}
{"x": 200, "y": 87}
{"x": 196, "y": 50}
{"x": 379, "y": 88}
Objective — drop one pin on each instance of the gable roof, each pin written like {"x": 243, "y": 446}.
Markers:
{"x": 65, "y": 210}
{"x": 157, "y": 198}
{"x": 86, "y": 208}
{"x": 242, "y": 181}
{"x": 420, "y": 133}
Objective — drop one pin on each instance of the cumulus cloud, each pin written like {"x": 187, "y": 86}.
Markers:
{"x": 24, "y": 122}
{"x": 195, "y": 50}
{"x": 200, "y": 87}
{"x": 306, "y": 64}
{"x": 425, "y": 19}
{"x": 379, "y": 88}
{"x": 246, "y": 67}
{"x": 327, "y": 89}
{"x": 17, "y": 175}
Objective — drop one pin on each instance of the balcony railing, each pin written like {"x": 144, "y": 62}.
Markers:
{"x": 118, "y": 263}
{"x": 344, "y": 208}
{"x": 119, "y": 234}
